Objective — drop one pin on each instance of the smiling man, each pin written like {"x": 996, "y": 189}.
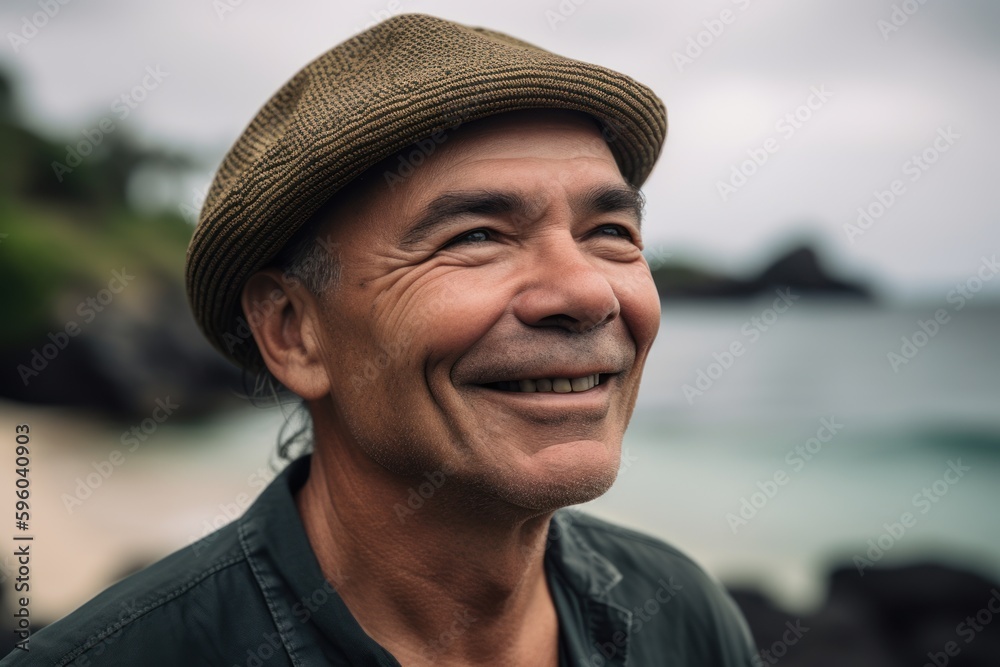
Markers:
{"x": 433, "y": 234}
{"x": 523, "y": 238}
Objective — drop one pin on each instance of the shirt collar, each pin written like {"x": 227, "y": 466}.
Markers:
{"x": 592, "y": 573}
{"x": 602, "y": 634}
{"x": 310, "y": 616}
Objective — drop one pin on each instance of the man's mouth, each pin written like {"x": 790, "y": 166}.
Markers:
{"x": 553, "y": 385}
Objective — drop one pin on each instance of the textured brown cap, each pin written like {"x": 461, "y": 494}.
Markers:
{"x": 380, "y": 91}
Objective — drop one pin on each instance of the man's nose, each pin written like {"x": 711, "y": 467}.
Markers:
{"x": 565, "y": 287}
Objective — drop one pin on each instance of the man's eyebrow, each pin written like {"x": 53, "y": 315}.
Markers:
{"x": 612, "y": 199}
{"x": 446, "y": 207}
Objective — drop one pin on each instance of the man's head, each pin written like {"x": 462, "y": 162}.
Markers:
{"x": 511, "y": 256}
{"x": 461, "y": 216}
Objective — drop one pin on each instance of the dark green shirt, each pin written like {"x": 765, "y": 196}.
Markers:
{"x": 252, "y": 594}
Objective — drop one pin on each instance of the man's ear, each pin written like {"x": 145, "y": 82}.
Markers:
{"x": 284, "y": 319}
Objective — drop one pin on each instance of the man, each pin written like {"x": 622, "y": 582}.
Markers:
{"x": 467, "y": 321}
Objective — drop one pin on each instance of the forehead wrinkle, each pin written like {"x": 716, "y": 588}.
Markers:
{"x": 613, "y": 195}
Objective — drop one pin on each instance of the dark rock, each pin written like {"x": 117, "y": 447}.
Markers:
{"x": 799, "y": 269}
{"x": 125, "y": 359}
{"x": 903, "y": 616}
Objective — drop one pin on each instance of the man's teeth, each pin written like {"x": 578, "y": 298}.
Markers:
{"x": 557, "y": 385}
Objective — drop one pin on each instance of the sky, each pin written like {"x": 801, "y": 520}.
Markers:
{"x": 784, "y": 117}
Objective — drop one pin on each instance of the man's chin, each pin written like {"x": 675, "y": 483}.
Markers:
{"x": 552, "y": 480}
{"x": 554, "y": 497}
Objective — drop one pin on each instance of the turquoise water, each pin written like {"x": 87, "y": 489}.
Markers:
{"x": 740, "y": 477}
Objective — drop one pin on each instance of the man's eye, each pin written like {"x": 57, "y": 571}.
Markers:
{"x": 614, "y": 230}
{"x": 472, "y": 236}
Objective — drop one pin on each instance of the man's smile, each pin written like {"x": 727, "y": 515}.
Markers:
{"x": 559, "y": 385}
{"x": 546, "y": 376}
{"x": 549, "y": 406}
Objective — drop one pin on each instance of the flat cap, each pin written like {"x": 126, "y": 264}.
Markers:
{"x": 367, "y": 98}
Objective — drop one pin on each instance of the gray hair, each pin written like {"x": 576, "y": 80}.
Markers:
{"x": 312, "y": 259}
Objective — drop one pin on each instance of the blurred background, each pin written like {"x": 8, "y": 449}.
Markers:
{"x": 819, "y": 424}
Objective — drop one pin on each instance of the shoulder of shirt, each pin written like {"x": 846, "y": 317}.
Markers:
{"x": 180, "y": 579}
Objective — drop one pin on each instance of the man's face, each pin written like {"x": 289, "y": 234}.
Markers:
{"x": 508, "y": 260}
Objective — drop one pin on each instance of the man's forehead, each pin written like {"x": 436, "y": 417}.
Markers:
{"x": 493, "y": 154}
{"x": 562, "y": 133}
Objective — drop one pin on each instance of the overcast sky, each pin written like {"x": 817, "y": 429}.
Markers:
{"x": 889, "y": 90}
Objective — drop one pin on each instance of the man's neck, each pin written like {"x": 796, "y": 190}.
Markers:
{"x": 439, "y": 583}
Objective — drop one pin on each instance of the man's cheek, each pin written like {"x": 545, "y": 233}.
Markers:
{"x": 458, "y": 312}
{"x": 640, "y": 307}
